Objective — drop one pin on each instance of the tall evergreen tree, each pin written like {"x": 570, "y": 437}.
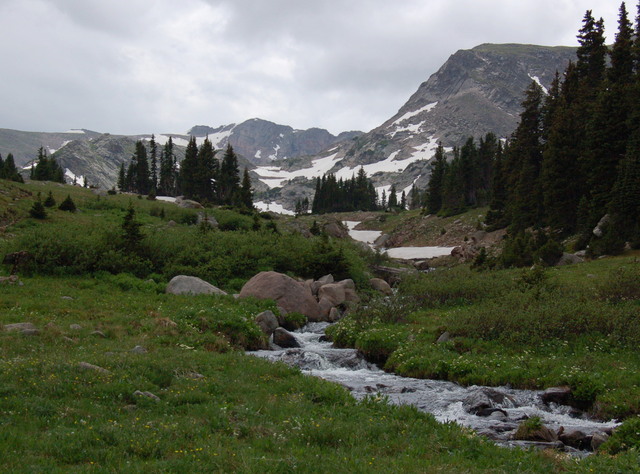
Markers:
{"x": 142, "y": 178}
{"x": 8, "y": 170}
{"x": 229, "y": 179}
{"x": 246, "y": 193}
{"x": 188, "y": 170}
{"x": 206, "y": 173}
{"x": 434, "y": 188}
{"x": 122, "y": 177}
{"x": 153, "y": 161}
{"x": 47, "y": 169}
{"x": 168, "y": 172}
{"x": 393, "y": 197}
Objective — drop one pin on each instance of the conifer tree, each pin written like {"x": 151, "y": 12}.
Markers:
{"x": 50, "y": 200}
{"x": 393, "y": 198}
{"x": 46, "y": 169}
{"x": 206, "y": 173}
{"x": 8, "y": 170}
{"x": 168, "y": 173}
{"x": 229, "y": 179}
{"x": 153, "y": 156}
{"x": 142, "y": 181}
{"x": 67, "y": 204}
{"x": 122, "y": 177}
{"x": 246, "y": 193}
{"x": 434, "y": 188}
{"x": 188, "y": 169}
{"x": 38, "y": 211}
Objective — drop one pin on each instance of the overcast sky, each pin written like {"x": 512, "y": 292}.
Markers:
{"x": 143, "y": 66}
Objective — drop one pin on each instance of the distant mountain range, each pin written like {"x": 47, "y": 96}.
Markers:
{"x": 476, "y": 91}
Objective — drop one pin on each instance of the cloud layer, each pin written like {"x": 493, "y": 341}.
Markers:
{"x": 139, "y": 67}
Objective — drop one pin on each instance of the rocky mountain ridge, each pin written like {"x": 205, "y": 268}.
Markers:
{"x": 475, "y": 91}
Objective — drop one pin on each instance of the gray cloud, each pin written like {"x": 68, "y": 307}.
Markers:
{"x": 136, "y": 66}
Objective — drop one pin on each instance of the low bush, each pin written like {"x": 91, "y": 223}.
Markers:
{"x": 625, "y": 437}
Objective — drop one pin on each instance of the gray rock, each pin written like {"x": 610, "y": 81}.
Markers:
{"x": 188, "y": 285}
{"x": 326, "y": 305}
{"x": 284, "y": 338}
{"x": 206, "y": 220}
{"x": 334, "y": 292}
{"x": 66, "y": 298}
{"x": 557, "y": 395}
{"x": 99, "y": 334}
{"x": 75, "y": 327}
{"x": 569, "y": 259}
{"x": 189, "y": 204}
{"x": 19, "y": 327}
{"x": 139, "y": 350}
{"x": 267, "y": 322}
{"x": 324, "y": 280}
{"x": 598, "y": 439}
{"x": 444, "y": 337}
{"x": 598, "y": 230}
{"x": 382, "y": 240}
{"x": 95, "y": 368}
{"x": 149, "y": 395}
{"x": 575, "y": 438}
{"x": 334, "y": 315}
{"x": 285, "y": 291}
{"x": 349, "y": 291}
{"x": 380, "y": 285}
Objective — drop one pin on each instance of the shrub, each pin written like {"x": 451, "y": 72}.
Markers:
{"x": 625, "y": 437}
{"x": 379, "y": 343}
{"x": 293, "y": 321}
{"x": 622, "y": 284}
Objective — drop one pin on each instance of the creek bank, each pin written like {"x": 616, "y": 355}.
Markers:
{"x": 494, "y": 412}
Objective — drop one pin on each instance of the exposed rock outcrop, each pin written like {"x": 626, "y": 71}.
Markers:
{"x": 189, "y": 285}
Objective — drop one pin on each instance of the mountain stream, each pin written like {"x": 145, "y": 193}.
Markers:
{"x": 503, "y": 408}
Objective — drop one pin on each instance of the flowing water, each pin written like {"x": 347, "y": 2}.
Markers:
{"x": 447, "y": 401}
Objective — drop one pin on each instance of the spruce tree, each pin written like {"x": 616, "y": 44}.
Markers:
{"x": 142, "y": 177}
{"x": 122, "y": 177}
{"x": 9, "y": 170}
{"x": 132, "y": 235}
{"x": 434, "y": 188}
{"x": 168, "y": 173}
{"x": 188, "y": 170}
{"x": 38, "y": 211}
{"x": 67, "y": 204}
{"x": 49, "y": 201}
{"x": 206, "y": 173}
{"x": 393, "y": 198}
{"x": 153, "y": 156}
{"x": 229, "y": 179}
{"x": 246, "y": 193}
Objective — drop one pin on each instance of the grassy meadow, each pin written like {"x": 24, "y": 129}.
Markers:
{"x": 121, "y": 377}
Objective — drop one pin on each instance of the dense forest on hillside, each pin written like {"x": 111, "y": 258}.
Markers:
{"x": 200, "y": 176}
{"x": 572, "y": 164}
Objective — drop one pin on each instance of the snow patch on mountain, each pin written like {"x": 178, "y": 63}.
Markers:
{"x": 408, "y": 115}
{"x": 274, "y": 176}
{"x": 272, "y": 207}
{"x": 537, "y": 80}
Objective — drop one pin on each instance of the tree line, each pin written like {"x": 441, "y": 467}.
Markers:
{"x": 200, "y": 176}
{"x": 575, "y": 155}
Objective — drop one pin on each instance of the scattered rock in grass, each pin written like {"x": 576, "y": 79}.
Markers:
{"x": 139, "y": 350}
{"x": 10, "y": 280}
{"x": 99, "y": 334}
{"x": 27, "y": 329}
{"x": 149, "y": 395}
{"x": 284, "y": 339}
{"x": 172, "y": 223}
{"x": 422, "y": 265}
{"x": 68, "y": 339}
{"x": 267, "y": 322}
{"x": 206, "y": 220}
{"x": 165, "y": 323}
{"x": 569, "y": 259}
{"x": 188, "y": 204}
{"x": 66, "y": 298}
{"x": 380, "y": 285}
{"x": 96, "y": 368}
{"x": 598, "y": 439}
{"x": 444, "y": 337}
{"x": 188, "y": 285}
{"x": 557, "y": 395}
{"x": 75, "y": 327}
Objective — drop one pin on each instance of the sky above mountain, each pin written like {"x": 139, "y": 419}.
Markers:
{"x": 137, "y": 66}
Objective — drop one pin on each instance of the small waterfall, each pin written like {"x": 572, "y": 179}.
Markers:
{"x": 494, "y": 412}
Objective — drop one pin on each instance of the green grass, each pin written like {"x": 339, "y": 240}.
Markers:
{"x": 576, "y": 326}
{"x": 218, "y": 410}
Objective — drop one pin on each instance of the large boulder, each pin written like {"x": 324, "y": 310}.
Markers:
{"x": 188, "y": 204}
{"x": 380, "y": 285}
{"x": 350, "y": 294}
{"x": 188, "y": 285}
{"x": 285, "y": 291}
